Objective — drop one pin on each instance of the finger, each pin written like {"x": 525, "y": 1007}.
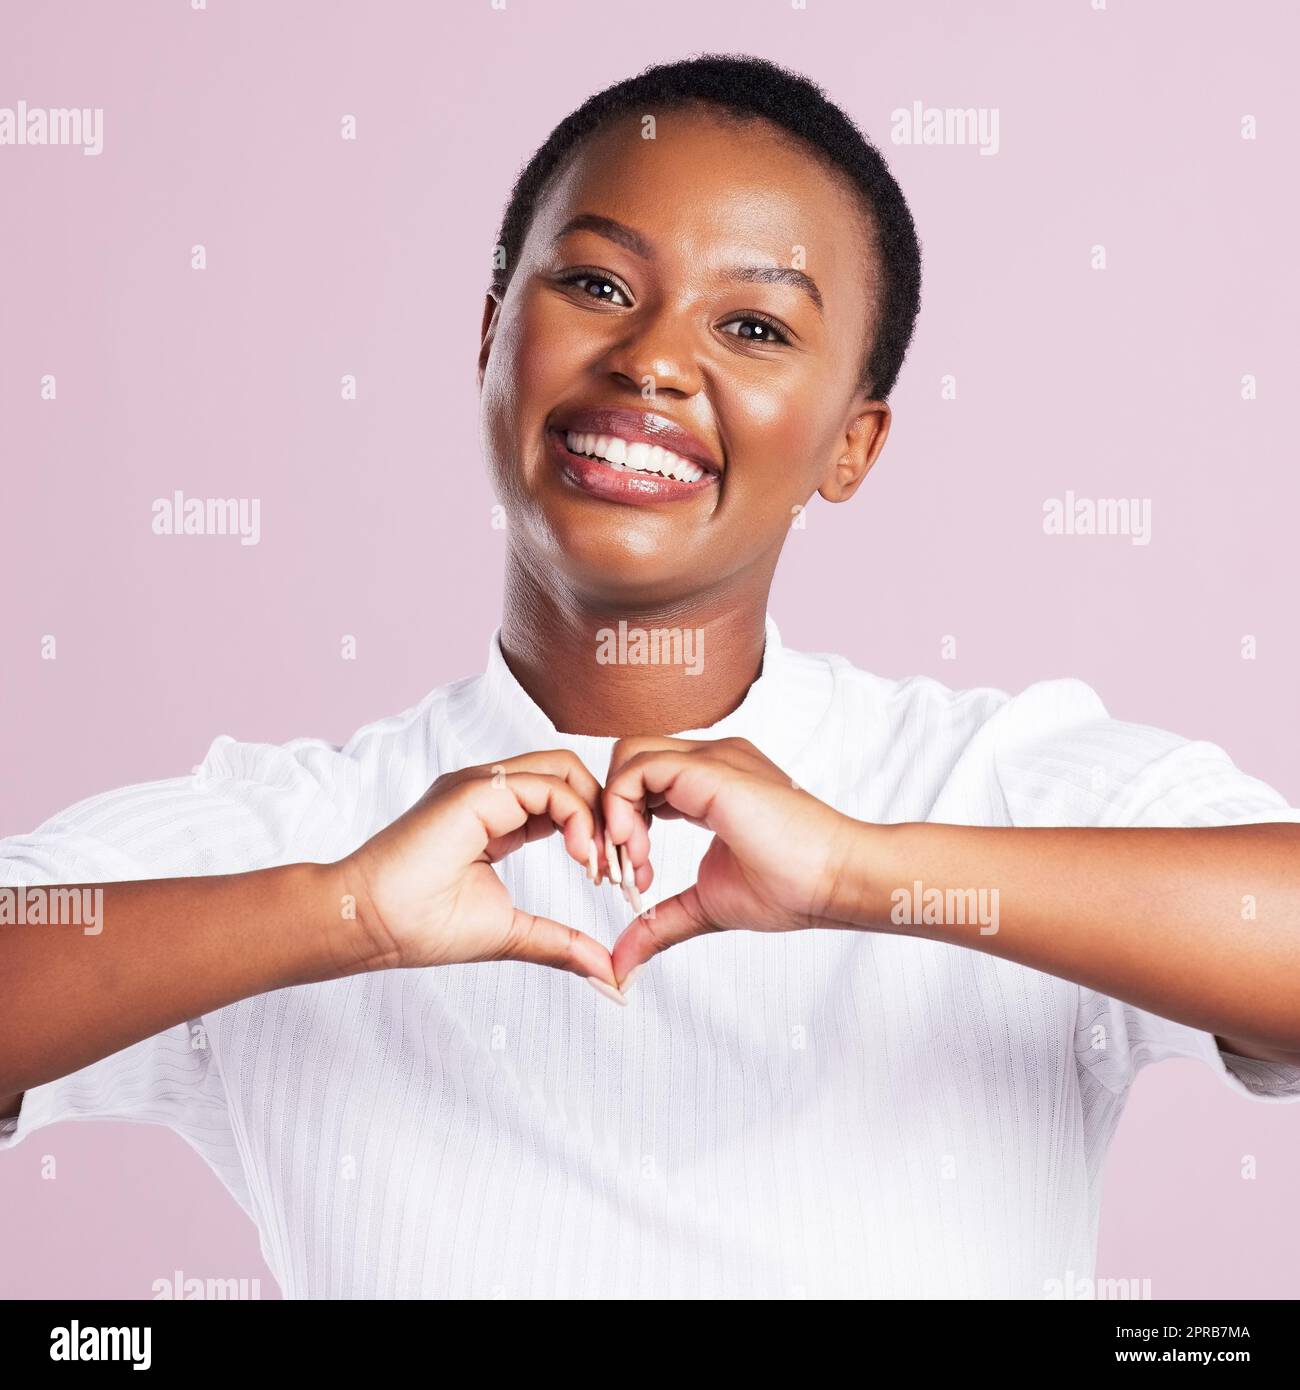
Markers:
{"x": 673, "y": 783}
{"x": 638, "y": 876}
{"x": 534, "y": 828}
{"x": 515, "y": 805}
{"x": 635, "y": 877}
{"x": 564, "y": 762}
{"x": 668, "y": 923}
{"x": 564, "y": 805}
{"x": 627, "y": 845}
{"x": 555, "y": 762}
{"x": 624, "y": 801}
{"x": 635, "y": 837}
{"x": 628, "y": 748}
{"x": 656, "y": 805}
{"x": 671, "y": 813}
{"x": 643, "y": 787}
{"x": 542, "y": 941}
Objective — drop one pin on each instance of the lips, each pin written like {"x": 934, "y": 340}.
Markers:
{"x": 631, "y": 455}
{"x": 638, "y": 426}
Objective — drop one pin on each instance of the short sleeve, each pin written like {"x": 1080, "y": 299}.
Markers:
{"x": 170, "y": 1079}
{"x": 1061, "y": 760}
{"x": 1089, "y": 769}
{"x": 1114, "y": 1041}
{"x": 247, "y": 806}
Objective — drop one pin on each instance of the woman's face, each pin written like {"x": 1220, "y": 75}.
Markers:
{"x": 707, "y": 292}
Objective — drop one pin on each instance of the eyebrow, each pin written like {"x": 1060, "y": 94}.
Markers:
{"x": 779, "y": 275}
{"x": 632, "y": 240}
{"x": 614, "y": 231}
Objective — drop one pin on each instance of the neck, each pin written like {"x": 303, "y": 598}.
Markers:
{"x": 604, "y": 669}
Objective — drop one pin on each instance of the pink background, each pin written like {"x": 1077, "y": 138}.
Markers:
{"x": 222, "y": 127}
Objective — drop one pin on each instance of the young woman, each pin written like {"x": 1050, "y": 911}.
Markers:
{"x": 903, "y": 949}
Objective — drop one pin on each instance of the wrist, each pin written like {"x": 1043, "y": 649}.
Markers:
{"x": 350, "y": 938}
{"x": 871, "y": 866}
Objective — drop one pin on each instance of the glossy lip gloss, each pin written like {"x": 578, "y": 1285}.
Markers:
{"x": 613, "y": 483}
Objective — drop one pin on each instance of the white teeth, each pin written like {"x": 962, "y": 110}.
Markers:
{"x": 635, "y": 457}
{"x": 641, "y": 457}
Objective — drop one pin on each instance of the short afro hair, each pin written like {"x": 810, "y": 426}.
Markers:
{"x": 748, "y": 87}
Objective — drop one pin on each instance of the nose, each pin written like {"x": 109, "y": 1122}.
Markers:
{"x": 656, "y": 348}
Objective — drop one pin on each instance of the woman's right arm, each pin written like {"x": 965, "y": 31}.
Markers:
{"x": 422, "y": 892}
{"x": 166, "y": 950}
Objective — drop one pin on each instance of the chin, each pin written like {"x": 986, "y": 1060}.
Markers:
{"x": 618, "y": 576}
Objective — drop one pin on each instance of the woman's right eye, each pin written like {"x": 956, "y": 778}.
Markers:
{"x": 598, "y": 287}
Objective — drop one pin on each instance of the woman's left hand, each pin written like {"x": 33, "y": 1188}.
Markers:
{"x": 777, "y": 859}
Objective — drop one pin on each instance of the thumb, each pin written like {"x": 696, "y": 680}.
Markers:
{"x": 541, "y": 941}
{"x": 666, "y": 924}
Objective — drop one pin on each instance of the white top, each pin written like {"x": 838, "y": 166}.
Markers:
{"x": 816, "y": 1113}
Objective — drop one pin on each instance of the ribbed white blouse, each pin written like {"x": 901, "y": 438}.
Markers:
{"x": 817, "y": 1113}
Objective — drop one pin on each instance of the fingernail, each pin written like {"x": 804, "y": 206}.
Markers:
{"x": 611, "y": 854}
{"x": 591, "y": 862}
{"x": 630, "y": 976}
{"x": 606, "y": 989}
{"x": 629, "y": 878}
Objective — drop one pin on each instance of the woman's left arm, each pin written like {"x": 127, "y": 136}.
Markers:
{"x": 1198, "y": 925}
{"x": 1201, "y": 925}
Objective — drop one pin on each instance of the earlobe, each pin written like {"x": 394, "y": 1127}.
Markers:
{"x": 860, "y": 448}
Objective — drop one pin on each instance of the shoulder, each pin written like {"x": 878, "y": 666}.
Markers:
{"x": 1048, "y": 754}
{"x": 247, "y": 804}
{"x": 400, "y": 742}
{"x": 350, "y": 788}
{"x": 918, "y": 748}
{"x": 919, "y": 705}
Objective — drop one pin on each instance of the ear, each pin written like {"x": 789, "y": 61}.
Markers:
{"x": 487, "y": 331}
{"x": 863, "y": 440}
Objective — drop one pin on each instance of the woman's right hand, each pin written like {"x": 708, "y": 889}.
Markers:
{"x": 425, "y": 891}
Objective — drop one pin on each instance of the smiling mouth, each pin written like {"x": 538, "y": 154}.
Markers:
{"x": 610, "y": 468}
{"x": 635, "y": 456}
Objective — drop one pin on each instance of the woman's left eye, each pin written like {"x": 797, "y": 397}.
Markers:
{"x": 756, "y": 330}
